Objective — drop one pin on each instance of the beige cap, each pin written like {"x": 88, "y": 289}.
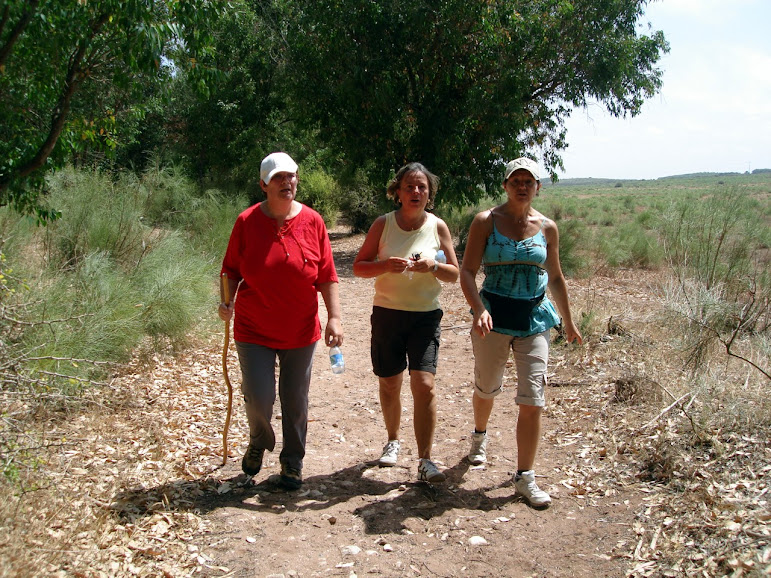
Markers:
{"x": 522, "y": 163}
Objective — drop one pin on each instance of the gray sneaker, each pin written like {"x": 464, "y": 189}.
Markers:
{"x": 529, "y": 490}
{"x": 478, "y": 452}
{"x": 390, "y": 453}
{"x": 428, "y": 472}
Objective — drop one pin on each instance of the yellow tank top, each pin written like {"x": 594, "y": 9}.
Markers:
{"x": 398, "y": 290}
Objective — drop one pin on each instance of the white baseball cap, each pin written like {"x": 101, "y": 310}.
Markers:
{"x": 522, "y": 163}
{"x": 276, "y": 163}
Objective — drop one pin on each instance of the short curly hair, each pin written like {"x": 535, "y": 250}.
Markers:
{"x": 396, "y": 182}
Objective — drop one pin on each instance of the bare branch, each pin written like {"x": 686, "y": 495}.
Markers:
{"x": 666, "y": 409}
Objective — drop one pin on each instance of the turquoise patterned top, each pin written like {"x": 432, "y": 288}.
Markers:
{"x": 520, "y": 281}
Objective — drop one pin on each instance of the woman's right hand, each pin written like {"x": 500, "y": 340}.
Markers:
{"x": 225, "y": 311}
{"x": 483, "y": 323}
{"x": 396, "y": 265}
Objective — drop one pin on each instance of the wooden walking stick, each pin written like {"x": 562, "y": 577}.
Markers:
{"x": 225, "y": 293}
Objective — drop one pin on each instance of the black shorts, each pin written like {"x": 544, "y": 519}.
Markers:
{"x": 400, "y": 336}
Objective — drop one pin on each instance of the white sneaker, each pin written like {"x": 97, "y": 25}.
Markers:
{"x": 428, "y": 472}
{"x": 529, "y": 490}
{"x": 478, "y": 453}
{"x": 390, "y": 453}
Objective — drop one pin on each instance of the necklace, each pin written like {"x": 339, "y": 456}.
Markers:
{"x": 417, "y": 225}
{"x": 508, "y": 213}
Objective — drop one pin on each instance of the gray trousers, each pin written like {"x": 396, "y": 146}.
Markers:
{"x": 258, "y": 385}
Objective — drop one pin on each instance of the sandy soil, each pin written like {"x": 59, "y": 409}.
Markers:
{"x": 354, "y": 518}
{"x": 129, "y": 480}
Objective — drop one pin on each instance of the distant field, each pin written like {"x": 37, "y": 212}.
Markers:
{"x": 757, "y": 182}
{"x": 623, "y": 222}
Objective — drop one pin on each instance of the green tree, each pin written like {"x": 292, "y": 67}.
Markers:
{"x": 251, "y": 109}
{"x": 69, "y": 70}
{"x": 463, "y": 85}
{"x": 222, "y": 137}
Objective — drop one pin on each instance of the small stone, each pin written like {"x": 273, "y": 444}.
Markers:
{"x": 351, "y": 550}
{"x": 477, "y": 541}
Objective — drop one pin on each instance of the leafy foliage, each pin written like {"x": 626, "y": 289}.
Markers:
{"x": 462, "y": 85}
{"x": 72, "y": 72}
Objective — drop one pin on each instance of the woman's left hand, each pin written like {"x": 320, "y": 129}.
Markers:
{"x": 572, "y": 333}
{"x": 422, "y": 265}
{"x": 333, "y": 334}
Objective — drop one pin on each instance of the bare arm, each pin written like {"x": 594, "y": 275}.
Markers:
{"x": 447, "y": 272}
{"x": 557, "y": 285}
{"x": 472, "y": 260}
{"x": 366, "y": 263}
{"x": 333, "y": 334}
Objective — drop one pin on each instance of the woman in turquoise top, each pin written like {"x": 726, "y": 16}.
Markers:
{"x": 519, "y": 249}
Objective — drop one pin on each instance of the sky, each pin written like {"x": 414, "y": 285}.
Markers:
{"x": 713, "y": 112}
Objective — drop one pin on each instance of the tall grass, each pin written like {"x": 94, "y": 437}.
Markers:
{"x": 132, "y": 259}
{"x": 718, "y": 249}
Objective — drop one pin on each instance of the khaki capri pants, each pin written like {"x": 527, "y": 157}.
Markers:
{"x": 531, "y": 356}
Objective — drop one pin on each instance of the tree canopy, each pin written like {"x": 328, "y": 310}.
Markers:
{"x": 460, "y": 85}
{"x": 463, "y": 85}
{"x": 71, "y": 71}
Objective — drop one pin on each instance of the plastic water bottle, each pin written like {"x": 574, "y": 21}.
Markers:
{"x": 336, "y": 359}
{"x": 440, "y": 257}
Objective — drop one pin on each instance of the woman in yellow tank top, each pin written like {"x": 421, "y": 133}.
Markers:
{"x": 401, "y": 252}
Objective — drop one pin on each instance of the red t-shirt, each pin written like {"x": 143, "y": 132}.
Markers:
{"x": 277, "y": 303}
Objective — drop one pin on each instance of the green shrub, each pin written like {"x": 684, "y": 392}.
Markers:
{"x": 714, "y": 238}
{"x": 87, "y": 313}
{"x": 98, "y": 215}
{"x": 321, "y": 192}
{"x": 362, "y": 202}
{"x": 111, "y": 280}
{"x": 573, "y": 235}
{"x": 609, "y": 251}
{"x": 646, "y": 219}
{"x": 168, "y": 196}
{"x": 211, "y": 222}
{"x": 722, "y": 294}
{"x": 173, "y": 285}
{"x": 644, "y": 250}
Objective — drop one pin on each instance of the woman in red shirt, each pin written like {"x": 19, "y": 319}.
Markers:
{"x": 278, "y": 258}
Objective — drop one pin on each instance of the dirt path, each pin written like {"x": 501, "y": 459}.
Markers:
{"x": 354, "y": 518}
{"x": 133, "y": 484}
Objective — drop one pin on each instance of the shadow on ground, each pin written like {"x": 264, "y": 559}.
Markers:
{"x": 387, "y": 505}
